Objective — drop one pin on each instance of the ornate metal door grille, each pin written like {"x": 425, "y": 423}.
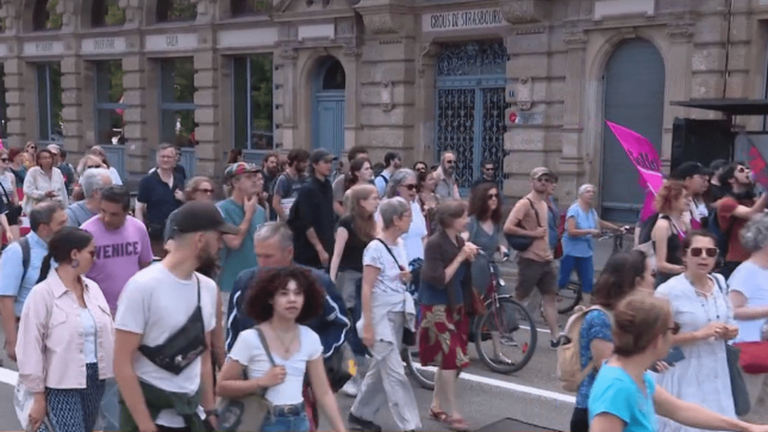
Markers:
{"x": 470, "y": 106}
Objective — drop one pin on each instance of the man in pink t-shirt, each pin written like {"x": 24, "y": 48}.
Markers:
{"x": 122, "y": 244}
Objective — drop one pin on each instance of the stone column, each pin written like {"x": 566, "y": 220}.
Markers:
{"x": 387, "y": 78}
{"x": 73, "y": 112}
{"x": 284, "y": 104}
{"x": 18, "y": 83}
{"x": 208, "y": 150}
{"x": 424, "y": 134}
{"x": 135, "y": 126}
{"x": 575, "y": 158}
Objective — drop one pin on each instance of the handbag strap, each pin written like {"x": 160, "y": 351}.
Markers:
{"x": 264, "y": 344}
{"x": 719, "y": 285}
{"x": 386, "y": 246}
{"x": 7, "y": 198}
{"x": 535, "y": 212}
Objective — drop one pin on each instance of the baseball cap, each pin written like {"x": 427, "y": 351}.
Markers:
{"x": 199, "y": 216}
{"x": 540, "y": 171}
{"x": 238, "y": 168}
{"x": 688, "y": 169}
{"x": 321, "y": 154}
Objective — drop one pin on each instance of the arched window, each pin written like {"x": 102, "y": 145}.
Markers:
{"x": 175, "y": 10}
{"x": 249, "y": 7}
{"x": 44, "y": 15}
{"x": 106, "y": 13}
{"x": 335, "y": 78}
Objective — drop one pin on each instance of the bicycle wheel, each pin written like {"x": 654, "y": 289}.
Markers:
{"x": 569, "y": 297}
{"x": 425, "y": 378}
{"x": 516, "y": 341}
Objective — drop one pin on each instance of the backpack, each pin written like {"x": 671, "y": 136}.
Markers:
{"x": 569, "y": 370}
{"x": 645, "y": 240}
{"x": 386, "y": 179}
{"x": 713, "y": 226}
{"x": 25, "y": 256}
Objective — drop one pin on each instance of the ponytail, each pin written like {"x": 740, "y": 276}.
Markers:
{"x": 45, "y": 268}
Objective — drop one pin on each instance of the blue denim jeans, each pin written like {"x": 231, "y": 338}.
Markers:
{"x": 295, "y": 423}
{"x": 584, "y": 269}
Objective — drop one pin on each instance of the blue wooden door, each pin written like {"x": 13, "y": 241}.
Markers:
{"x": 328, "y": 106}
{"x": 634, "y": 98}
{"x": 470, "y": 104}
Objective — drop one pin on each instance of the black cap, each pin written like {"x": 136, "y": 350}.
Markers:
{"x": 688, "y": 169}
{"x": 319, "y": 155}
{"x": 199, "y": 216}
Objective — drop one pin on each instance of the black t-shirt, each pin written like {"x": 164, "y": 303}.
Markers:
{"x": 352, "y": 257}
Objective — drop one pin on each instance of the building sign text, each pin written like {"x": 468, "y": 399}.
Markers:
{"x": 171, "y": 42}
{"x": 103, "y": 45}
{"x": 462, "y": 20}
{"x": 43, "y": 48}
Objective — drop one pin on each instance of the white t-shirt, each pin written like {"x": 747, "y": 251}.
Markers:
{"x": 752, "y": 281}
{"x": 388, "y": 288}
{"x": 414, "y": 238}
{"x": 155, "y": 304}
{"x": 89, "y": 336}
{"x": 249, "y": 351}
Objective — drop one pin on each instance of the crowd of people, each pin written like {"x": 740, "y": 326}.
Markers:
{"x": 172, "y": 310}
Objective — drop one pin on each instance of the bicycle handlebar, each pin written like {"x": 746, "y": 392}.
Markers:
{"x": 504, "y": 257}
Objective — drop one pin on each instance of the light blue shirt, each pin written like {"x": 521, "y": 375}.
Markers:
{"x": 11, "y": 269}
{"x": 380, "y": 183}
{"x": 579, "y": 246}
{"x": 615, "y": 392}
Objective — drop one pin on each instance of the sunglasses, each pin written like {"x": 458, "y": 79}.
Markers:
{"x": 92, "y": 166}
{"x": 206, "y": 191}
{"x": 675, "y": 329}
{"x": 450, "y": 162}
{"x": 410, "y": 187}
{"x": 32, "y": 148}
{"x": 699, "y": 251}
{"x": 493, "y": 196}
{"x": 4, "y": 160}
{"x": 544, "y": 180}
{"x": 742, "y": 170}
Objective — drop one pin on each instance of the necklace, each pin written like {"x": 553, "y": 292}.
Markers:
{"x": 291, "y": 339}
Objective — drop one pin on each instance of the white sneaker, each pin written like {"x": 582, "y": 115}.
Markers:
{"x": 350, "y": 388}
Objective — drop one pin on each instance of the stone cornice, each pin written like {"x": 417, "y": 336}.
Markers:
{"x": 524, "y": 11}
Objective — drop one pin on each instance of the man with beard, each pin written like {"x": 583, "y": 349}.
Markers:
{"x": 270, "y": 168}
{"x": 122, "y": 244}
{"x": 392, "y": 162}
{"x": 243, "y": 211}
{"x": 287, "y": 185}
{"x": 734, "y": 211}
{"x": 530, "y": 218}
{"x": 446, "y": 187}
{"x": 164, "y": 320}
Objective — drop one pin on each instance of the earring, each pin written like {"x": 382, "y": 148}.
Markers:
{"x": 75, "y": 263}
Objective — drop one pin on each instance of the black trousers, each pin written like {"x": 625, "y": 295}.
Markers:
{"x": 579, "y": 420}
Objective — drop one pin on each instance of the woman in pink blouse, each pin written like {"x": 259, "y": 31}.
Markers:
{"x": 66, "y": 338}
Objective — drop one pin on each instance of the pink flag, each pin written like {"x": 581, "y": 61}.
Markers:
{"x": 644, "y": 156}
{"x": 120, "y": 111}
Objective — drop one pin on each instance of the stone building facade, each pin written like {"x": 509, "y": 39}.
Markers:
{"x": 521, "y": 83}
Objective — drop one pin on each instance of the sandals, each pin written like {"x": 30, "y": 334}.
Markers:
{"x": 455, "y": 424}
{"x": 439, "y": 415}
{"x": 503, "y": 360}
{"x": 458, "y": 425}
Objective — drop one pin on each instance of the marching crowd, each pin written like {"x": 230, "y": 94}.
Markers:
{"x": 189, "y": 314}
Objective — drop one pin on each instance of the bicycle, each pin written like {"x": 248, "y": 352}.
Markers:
{"x": 502, "y": 325}
{"x": 571, "y": 295}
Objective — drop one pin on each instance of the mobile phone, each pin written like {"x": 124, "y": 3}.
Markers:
{"x": 674, "y": 356}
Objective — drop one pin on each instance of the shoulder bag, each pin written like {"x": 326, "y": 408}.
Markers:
{"x": 739, "y": 391}
{"x": 245, "y": 414}
{"x": 409, "y": 336}
{"x": 521, "y": 243}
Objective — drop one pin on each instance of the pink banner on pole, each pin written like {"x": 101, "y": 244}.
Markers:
{"x": 645, "y": 158}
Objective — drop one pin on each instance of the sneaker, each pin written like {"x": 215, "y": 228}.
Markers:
{"x": 356, "y": 423}
{"x": 554, "y": 343}
{"x": 350, "y": 388}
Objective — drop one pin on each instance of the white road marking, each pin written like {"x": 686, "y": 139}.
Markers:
{"x": 10, "y": 377}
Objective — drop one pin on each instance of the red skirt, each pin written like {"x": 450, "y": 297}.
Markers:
{"x": 443, "y": 337}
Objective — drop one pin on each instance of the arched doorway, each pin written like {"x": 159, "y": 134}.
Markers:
{"x": 328, "y": 84}
{"x": 634, "y": 97}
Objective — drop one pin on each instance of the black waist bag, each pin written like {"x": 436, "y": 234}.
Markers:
{"x": 183, "y": 347}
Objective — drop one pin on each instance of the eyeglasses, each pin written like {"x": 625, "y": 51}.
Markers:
{"x": 410, "y": 187}
{"x": 206, "y": 191}
{"x": 699, "y": 251}
{"x": 493, "y": 196}
{"x": 675, "y": 329}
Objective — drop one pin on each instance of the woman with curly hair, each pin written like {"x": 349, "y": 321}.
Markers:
{"x": 668, "y": 234}
{"x": 274, "y": 356}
